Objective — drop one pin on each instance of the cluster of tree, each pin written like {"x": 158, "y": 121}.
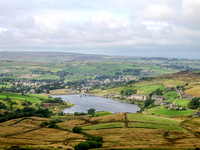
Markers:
{"x": 92, "y": 141}
{"x": 77, "y": 130}
{"x": 53, "y": 100}
{"x": 91, "y": 111}
{"x": 157, "y": 92}
{"x": 25, "y": 112}
{"x": 79, "y": 114}
{"x": 62, "y": 74}
{"x": 194, "y": 103}
{"x": 128, "y": 92}
{"x": 148, "y": 103}
{"x": 50, "y": 124}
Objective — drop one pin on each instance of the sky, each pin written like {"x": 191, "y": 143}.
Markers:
{"x": 150, "y": 28}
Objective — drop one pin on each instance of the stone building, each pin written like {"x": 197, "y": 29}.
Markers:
{"x": 158, "y": 99}
{"x": 139, "y": 97}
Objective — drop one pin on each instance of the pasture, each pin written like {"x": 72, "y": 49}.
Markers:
{"x": 117, "y": 130}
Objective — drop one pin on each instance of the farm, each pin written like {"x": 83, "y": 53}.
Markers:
{"x": 118, "y": 131}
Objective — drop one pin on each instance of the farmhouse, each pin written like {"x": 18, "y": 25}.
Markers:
{"x": 175, "y": 107}
{"x": 139, "y": 97}
{"x": 158, "y": 99}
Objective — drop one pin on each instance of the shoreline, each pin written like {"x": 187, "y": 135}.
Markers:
{"x": 122, "y": 101}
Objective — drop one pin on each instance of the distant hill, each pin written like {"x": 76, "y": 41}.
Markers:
{"x": 187, "y": 79}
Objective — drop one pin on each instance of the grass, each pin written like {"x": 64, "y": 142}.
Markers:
{"x": 171, "y": 95}
{"x": 194, "y": 91}
{"x": 102, "y": 113}
{"x": 153, "y": 119}
{"x": 171, "y": 113}
{"x": 194, "y": 122}
{"x": 138, "y": 135}
{"x": 156, "y": 126}
{"x": 182, "y": 102}
{"x": 28, "y": 97}
{"x": 174, "y": 82}
{"x": 104, "y": 126}
{"x": 147, "y": 89}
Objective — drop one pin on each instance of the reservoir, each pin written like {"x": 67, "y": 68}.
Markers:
{"x": 84, "y": 102}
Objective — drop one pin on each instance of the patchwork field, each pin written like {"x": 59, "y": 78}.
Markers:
{"x": 189, "y": 80}
{"x": 118, "y": 131}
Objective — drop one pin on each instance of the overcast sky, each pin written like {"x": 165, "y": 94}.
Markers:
{"x": 167, "y": 28}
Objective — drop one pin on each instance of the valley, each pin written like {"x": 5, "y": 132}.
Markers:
{"x": 166, "y": 90}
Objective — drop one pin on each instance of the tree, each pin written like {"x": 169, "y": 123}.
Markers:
{"x": 77, "y": 129}
{"x": 148, "y": 102}
{"x": 91, "y": 111}
{"x": 82, "y": 146}
{"x": 157, "y": 92}
{"x": 194, "y": 103}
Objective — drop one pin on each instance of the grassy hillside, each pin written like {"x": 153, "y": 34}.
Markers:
{"x": 14, "y": 101}
{"x": 187, "y": 80}
{"x": 122, "y": 131}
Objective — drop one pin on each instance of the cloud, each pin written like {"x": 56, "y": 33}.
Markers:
{"x": 191, "y": 13}
{"x": 159, "y": 12}
{"x": 113, "y": 24}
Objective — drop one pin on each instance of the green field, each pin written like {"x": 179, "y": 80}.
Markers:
{"x": 171, "y": 95}
{"x": 160, "y": 110}
{"x": 28, "y": 97}
{"x": 102, "y": 113}
{"x": 182, "y": 102}
{"x": 104, "y": 126}
{"x": 152, "y": 119}
{"x": 156, "y": 126}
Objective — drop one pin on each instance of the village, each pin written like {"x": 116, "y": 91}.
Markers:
{"x": 157, "y": 99}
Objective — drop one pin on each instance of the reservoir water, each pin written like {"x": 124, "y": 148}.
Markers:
{"x": 85, "y": 102}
